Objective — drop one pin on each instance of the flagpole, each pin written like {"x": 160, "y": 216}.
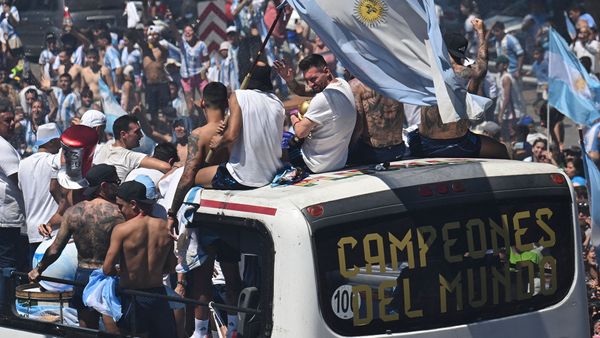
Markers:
{"x": 244, "y": 85}
{"x": 548, "y": 126}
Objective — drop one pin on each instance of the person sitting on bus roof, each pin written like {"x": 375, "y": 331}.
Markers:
{"x": 434, "y": 138}
{"x": 329, "y": 121}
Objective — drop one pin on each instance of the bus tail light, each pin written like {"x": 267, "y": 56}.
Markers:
{"x": 558, "y": 179}
{"x": 315, "y": 210}
{"x": 425, "y": 191}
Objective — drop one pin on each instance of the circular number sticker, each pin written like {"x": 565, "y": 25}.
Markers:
{"x": 341, "y": 302}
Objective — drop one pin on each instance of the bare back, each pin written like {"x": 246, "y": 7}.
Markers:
{"x": 91, "y": 223}
{"x": 432, "y": 126}
{"x": 147, "y": 250}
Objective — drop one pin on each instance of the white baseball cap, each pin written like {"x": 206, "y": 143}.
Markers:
{"x": 46, "y": 133}
{"x": 231, "y": 29}
{"x": 225, "y": 45}
{"x": 93, "y": 118}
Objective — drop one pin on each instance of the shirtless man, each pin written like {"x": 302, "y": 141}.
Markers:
{"x": 93, "y": 71}
{"x": 143, "y": 248}
{"x": 214, "y": 104}
{"x": 67, "y": 66}
{"x": 90, "y": 223}
{"x": 157, "y": 78}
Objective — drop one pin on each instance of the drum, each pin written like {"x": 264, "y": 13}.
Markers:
{"x": 32, "y": 302}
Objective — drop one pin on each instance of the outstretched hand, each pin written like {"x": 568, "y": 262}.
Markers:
{"x": 283, "y": 70}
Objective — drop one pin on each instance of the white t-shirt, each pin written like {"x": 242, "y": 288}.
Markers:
{"x": 35, "y": 173}
{"x": 256, "y": 155}
{"x": 334, "y": 112}
{"x": 11, "y": 200}
{"x": 167, "y": 187}
{"x": 124, "y": 160}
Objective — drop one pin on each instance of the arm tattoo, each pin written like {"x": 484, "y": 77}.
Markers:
{"x": 192, "y": 165}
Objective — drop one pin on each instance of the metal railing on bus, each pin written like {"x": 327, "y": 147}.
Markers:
{"x": 11, "y": 273}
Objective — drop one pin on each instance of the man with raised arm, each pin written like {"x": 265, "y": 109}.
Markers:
{"x": 90, "y": 223}
{"x": 143, "y": 248}
{"x": 329, "y": 121}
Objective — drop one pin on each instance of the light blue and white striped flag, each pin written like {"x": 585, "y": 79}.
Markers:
{"x": 570, "y": 26}
{"x": 393, "y": 46}
{"x": 571, "y": 89}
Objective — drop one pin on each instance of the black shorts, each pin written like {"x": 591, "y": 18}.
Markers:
{"x": 468, "y": 145}
{"x": 224, "y": 181}
{"x": 147, "y": 315}
{"x": 82, "y": 275}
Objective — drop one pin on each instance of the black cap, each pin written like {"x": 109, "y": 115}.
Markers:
{"x": 50, "y": 36}
{"x": 133, "y": 191}
{"x": 97, "y": 175}
{"x": 457, "y": 46}
{"x": 261, "y": 79}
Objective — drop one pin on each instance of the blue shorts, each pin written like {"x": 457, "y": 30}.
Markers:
{"x": 147, "y": 315}
{"x": 362, "y": 153}
{"x": 82, "y": 275}
{"x": 224, "y": 181}
{"x": 468, "y": 145}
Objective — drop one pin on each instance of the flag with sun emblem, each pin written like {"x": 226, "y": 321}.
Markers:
{"x": 571, "y": 89}
{"x": 393, "y": 46}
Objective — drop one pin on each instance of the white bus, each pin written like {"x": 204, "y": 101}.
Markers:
{"x": 425, "y": 248}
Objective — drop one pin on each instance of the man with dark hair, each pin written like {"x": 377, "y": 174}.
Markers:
{"x": 166, "y": 152}
{"x": 12, "y": 217}
{"x": 68, "y": 67}
{"x": 154, "y": 57}
{"x": 112, "y": 58}
{"x": 90, "y": 223}
{"x": 127, "y": 135}
{"x": 68, "y": 102}
{"x": 214, "y": 104}
{"x": 253, "y": 137}
{"x": 93, "y": 71}
{"x": 143, "y": 248}
{"x": 508, "y": 45}
{"x": 329, "y": 120}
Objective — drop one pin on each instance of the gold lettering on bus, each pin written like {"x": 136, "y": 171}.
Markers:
{"x": 551, "y": 240}
{"x": 500, "y": 277}
{"x": 345, "y": 241}
{"x": 482, "y": 288}
{"x": 520, "y": 232}
{"x": 397, "y": 246}
{"x": 454, "y": 287}
{"x": 478, "y": 224}
{"x": 525, "y": 280}
{"x": 425, "y": 245}
{"x": 384, "y": 301}
{"x": 407, "y": 304}
{"x": 499, "y": 231}
{"x": 374, "y": 259}
{"x": 449, "y": 242}
{"x": 367, "y": 302}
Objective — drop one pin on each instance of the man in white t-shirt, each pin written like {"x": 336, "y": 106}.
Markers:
{"x": 127, "y": 133}
{"x": 41, "y": 191}
{"x": 12, "y": 216}
{"x": 329, "y": 121}
{"x": 166, "y": 152}
{"x": 253, "y": 135}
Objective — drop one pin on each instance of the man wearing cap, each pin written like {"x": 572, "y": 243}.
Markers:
{"x": 41, "y": 191}
{"x": 143, "y": 248}
{"x": 227, "y": 71}
{"x": 234, "y": 39}
{"x": 127, "y": 135}
{"x": 96, "y": 120}
{"x": 90, "y": 223}
{"x": 194, "y": 60}
{"x": 329, "y": 120}
{"x": 12, "y": 216}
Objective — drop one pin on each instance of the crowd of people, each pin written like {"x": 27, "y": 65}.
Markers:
{"x": 73, "y": 169}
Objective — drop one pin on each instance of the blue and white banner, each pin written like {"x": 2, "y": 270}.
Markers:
{"x": 571, "y": 89}
{"x": 394, "y": 47}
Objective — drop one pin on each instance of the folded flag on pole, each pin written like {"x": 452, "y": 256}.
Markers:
{"x": 571, "y": 89}
{"x": 570, "y": 26}
{"x": 394, "y": 47}
{"x": 593, "y": 185}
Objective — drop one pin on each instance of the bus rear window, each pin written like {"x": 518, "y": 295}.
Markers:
{"x": 449, "y": 266}
{"x": 95, "y": 5}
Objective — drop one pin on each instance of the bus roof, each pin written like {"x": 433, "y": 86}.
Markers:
{"x": 359, "y": 181}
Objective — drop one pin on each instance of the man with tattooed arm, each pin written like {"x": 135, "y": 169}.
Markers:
{"x": 90, "y": 223}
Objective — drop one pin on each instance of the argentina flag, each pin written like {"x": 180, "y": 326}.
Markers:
{"x": 571, "y": 89}
{"x": 394, "y": 47}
